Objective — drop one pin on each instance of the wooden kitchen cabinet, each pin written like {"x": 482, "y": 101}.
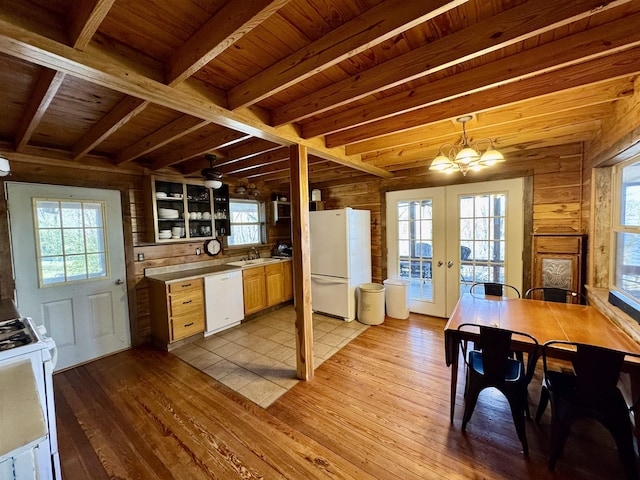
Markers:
{"x": 254, "y": 288}
{"x": 274, "y": 274}
{"x": 177, "y": 310}
{"x": 189, "y": 209}
{"x": 558, "y": 261}
{"x": 266, "y": 286}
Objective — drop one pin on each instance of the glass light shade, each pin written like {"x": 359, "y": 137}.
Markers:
{"x": 466, "y": 156}
{"x": 440, "y": 163}
{"x": 215, "y": 184}
{"x": 491, "y": 157}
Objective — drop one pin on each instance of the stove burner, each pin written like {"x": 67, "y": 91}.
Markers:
{"x": 12, "y": 326}
{"x": 15, "y": 340}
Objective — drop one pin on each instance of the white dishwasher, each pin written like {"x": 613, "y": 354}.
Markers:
{"x": 224, "y": 301}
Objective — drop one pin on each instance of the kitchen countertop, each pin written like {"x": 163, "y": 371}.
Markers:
{"x": 181, "y": 275}
{"x": 22, "y": 421}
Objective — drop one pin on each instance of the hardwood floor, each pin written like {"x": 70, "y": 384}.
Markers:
{"x": 377, "y": 409}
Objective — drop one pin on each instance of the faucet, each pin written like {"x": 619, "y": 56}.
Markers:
{"x": 253, "y": 253}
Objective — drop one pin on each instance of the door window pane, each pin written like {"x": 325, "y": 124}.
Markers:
{"x": 482, "y": 238}
{"x": 415, "y": 241}
{"x": 71, "y": 241}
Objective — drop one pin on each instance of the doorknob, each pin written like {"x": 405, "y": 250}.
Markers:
{"x": 440, "y": 263}
{"x": 119, "y": 281}
{"x": 449, "y": 264}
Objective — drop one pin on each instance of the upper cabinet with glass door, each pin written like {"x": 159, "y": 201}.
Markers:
{"x": 181, "y": 211}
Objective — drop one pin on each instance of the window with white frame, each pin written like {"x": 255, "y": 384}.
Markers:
{"x": 246, "y": 221}
{"x": 626, "y": 234}
{"x": 70, "y": 239}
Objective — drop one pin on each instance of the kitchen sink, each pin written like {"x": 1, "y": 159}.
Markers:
{"x": 255, "y": 262}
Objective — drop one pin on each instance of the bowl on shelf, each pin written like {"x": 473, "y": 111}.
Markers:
{"x": 161, "y": 195}
{"x": 168, "y": 213}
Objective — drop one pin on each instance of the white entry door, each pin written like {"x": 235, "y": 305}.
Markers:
{"x": 68, "y": 256}
{"x": 444, "y": 239}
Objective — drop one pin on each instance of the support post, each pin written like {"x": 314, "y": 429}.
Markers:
{"x": 299, "y": 165}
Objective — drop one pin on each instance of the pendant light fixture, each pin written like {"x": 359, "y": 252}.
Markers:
{"x": 466, "y": 157}
{"x": 212, "y": 177}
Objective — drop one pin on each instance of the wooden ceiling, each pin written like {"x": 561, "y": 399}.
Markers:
{"x": 369, "y": 86}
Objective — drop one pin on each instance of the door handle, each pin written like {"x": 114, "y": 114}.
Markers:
{"x": 449, "y": 264}
{"x": 440, "y": 263}
{"x": 119, "y": 282}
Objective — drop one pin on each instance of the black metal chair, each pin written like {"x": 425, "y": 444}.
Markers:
{"x": 559, "y": 295}
{"x": 589, "y": 392}
{"x": 493, "y": 288}
{"x": 493, "y": 367}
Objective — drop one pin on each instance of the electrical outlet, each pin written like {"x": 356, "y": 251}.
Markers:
{"x": 141, "y": 257}
{"x": 198, "y": 251}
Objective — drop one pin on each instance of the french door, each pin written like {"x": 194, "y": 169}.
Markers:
{"x": 444, "y": 239}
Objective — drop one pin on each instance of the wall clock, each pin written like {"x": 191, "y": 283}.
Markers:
{"x": 212, "y": 247}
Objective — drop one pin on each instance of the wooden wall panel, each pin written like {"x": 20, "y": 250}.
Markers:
{"x": 557, "y": 193}
{"x": 555, "y": 174}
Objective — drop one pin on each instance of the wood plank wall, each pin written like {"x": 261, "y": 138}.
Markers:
{"x": 558, "y": 200}
{"x": 132, "y": 187}
{"x": 619, "y": 141}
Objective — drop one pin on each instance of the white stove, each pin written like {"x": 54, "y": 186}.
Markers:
{"x": 28, "y": 438}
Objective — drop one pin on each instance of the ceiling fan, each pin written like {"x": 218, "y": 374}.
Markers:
{"x": 212, "y": 177}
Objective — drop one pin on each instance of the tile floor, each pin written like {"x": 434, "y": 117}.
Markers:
{"x": 258, "y": 358}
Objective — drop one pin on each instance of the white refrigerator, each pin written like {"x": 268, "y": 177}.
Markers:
{"x": 340, "y": 244}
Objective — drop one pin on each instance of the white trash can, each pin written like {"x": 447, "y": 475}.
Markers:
{"x": 397, "y": 298}
{"x": 371, "y": 303}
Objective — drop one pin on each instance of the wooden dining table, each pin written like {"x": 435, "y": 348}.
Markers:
{"x": 544, "y": 321}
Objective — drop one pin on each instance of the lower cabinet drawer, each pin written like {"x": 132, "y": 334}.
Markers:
{"x": 184, "y": 303}
{"x": 186, "y": 325}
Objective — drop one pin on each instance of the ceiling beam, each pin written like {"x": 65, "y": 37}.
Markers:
{"x": 248, "y": 150}
{"x": 507, "y": 28}
{"x": 172, "y": 131}
{"x": 255, "y": 162}
{"x": 503, "y": 135}
{"x": 575, "y": 98}
{"x": 48, "y": 84}
{"x": 124, "y": 111}
{"x": 618, "y": 65}
{"x": 84, "y": 18}
{"x": 221, "y": 31}
{"x": 217, "y": 141}
{"x": 103, "y": 68}
{"x": 581, "y": 47}
{"x": 373, "y": 27}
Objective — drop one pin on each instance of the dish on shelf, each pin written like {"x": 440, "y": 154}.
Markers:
{"x": 161, "y": 195}
{"x": 175, "y": 195}
{"x": 168, "y": 213}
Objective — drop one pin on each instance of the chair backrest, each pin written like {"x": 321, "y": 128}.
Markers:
{"x": 492, "y": 288}
{"x": 559, "y": 295}
{"x": 597, "y": 369}
{"x": 496, "y": 348}
{"x": 422, "y": 250}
